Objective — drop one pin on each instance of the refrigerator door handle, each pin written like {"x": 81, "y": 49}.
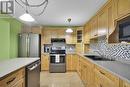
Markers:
{"x": 28, "y": 46}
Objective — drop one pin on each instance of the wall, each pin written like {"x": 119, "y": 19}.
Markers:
{"x": 112, "y": 51}
{"x": 9, "y": 28}
{"x": 4, "y": 39}
{"x": 15, "y": 28}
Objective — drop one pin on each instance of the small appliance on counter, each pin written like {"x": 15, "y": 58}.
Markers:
{"x": 47, "y": 48}
{"x": 58, "y": 56}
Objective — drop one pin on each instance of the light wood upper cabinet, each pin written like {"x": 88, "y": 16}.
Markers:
{"x": 125, "y": 84}
{"x": 123, "y": 7}
{"x": 87, "y": 31}
{"x": 36, "y": 30}
{"x": 45, "y": 62}
{"x": 103, "y": 23}
{"x": 49, "y": 33}
{"x": 111, "y": 17}
{"x": 94, "y": 27}
{"x": 79, "y": 35}
{"x": 71, "y": 37}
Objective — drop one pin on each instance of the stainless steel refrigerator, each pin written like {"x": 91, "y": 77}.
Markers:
{"x": 29, "y": 45}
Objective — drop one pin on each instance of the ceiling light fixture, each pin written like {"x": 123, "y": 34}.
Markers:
{"x": 27, "y": 17}
{"x": 69, "y": 30}
{"x": 26, "y": 5}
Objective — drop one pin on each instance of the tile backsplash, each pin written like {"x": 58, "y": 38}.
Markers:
{"x": 111, "y": 51}
{"x": 70, "y": 48}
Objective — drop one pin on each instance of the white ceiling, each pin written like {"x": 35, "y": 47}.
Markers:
{"x": 58, "y": 11}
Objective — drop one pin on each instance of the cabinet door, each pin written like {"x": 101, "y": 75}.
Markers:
{"x": 123, "y": 7}
{"x": 79, "y": 35}
{"x": 68, "y": 62}
{"x": 87, "y": 34}
{"x": 111, "y": 13}
{"x": 89, "y": 75}
{"x": 94, "y": 27}
{"x": 102, "y": 23}
{"x": 79, "y": 48}
{"x": 45, "y": 62}
{"x": 70, "y": 38}
{"x": 108, "y": 80}
{"x": 97, "y": 79}
{"x": 83, "y": 73}
{"x": 20, "y": 83}
{"x": 36, "y": 30}
{"x": 74, "y": 62}
{"x": 79, "y": 67}
{"x": 125, "y": 84}
{"x": 47, "y": 36}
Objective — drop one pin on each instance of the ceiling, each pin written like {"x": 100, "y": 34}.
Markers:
{"x": 58, "y": 11}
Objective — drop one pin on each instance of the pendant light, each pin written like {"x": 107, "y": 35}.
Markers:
{"x": 26, "y": 16}
{"x": 69, "y": 30}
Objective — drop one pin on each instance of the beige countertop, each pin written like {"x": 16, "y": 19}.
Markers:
{"x": 117, "y": 68}
{"x": 11, "y": 65}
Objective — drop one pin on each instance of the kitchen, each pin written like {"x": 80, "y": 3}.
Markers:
{"x": 92, "y": 51}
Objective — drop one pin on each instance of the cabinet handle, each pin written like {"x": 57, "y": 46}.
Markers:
{"x": 102, "y": 73}
{"x": 11, "y": 80}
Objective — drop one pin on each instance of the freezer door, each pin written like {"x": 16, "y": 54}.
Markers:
{"x": 34, "y": 45}
{"x": 22, "y": 45}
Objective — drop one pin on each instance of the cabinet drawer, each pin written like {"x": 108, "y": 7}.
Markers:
{"x": 11, "y": 79}
{"x": 20, "y": 83}
{"x": 108, "y": 75}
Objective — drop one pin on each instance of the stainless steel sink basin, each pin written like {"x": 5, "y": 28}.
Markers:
{"x": 97, "y": 58}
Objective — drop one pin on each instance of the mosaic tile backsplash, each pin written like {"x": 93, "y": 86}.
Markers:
{"x": 111, "y": 51}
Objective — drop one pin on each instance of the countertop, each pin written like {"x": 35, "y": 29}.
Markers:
{"x": 11, "y": 65}
{"x": 117, "y": 68}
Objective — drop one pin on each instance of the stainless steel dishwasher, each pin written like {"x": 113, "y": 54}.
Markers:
{"x": 33, "y": 74}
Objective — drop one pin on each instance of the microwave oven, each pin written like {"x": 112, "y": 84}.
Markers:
{"x": 124, "y": 30}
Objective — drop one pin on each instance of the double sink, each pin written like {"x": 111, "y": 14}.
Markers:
{"x": 98, "y": 58}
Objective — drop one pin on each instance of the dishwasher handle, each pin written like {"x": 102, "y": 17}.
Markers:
{"x": 33, "y": 67}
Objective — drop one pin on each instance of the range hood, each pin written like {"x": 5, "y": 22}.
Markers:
{"x": 58, "y": 40}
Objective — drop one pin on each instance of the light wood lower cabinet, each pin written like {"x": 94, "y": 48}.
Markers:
{"x": 105, "y": 79}
{"x": 86, "y": 72}
{"x": 71, "y": 62}
{"x": 45, "y": 62}
{"x": 94, "y": 76}
{"x": 20, "y": 83}
{"x": 15, "y": 79}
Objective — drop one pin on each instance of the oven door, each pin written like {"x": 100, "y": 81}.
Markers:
{"x": 57, "y": 58}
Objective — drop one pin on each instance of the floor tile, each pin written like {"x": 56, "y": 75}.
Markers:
{"x": 69, "y": 79}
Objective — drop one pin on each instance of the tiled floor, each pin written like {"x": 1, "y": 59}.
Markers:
{"x": 70, "y": 79}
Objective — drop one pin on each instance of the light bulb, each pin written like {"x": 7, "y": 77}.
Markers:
{"x": 69, "y": 30}
{"x": 27, "y": 17}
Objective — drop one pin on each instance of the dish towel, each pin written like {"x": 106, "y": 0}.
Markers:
{"x": 57, "y": 60}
